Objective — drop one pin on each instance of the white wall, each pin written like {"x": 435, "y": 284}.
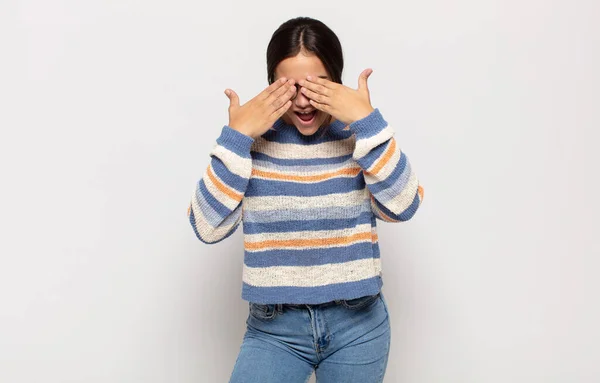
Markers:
{"x": 109, "y": 109}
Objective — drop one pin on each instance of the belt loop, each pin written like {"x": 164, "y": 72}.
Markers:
{"x": 279, "y": 307}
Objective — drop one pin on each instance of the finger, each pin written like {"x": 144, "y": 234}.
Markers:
{"x": 234, "y": 100}
{"x": 280, "y": 91}
{"x": 280, "y": 111}
{"x": 362, "y": 79}
{"x": 272, "y": 88}
{"x": 281, "y": 96}
{"x": 321, "y": 99}
{"x": 322, "y": 81}
{"x": 317, "y": 88}
{"x": 322, "y": 107}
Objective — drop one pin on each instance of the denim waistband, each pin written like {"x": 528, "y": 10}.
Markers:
{"x": 335, "y": 302}
{"x": 310, "y": 304}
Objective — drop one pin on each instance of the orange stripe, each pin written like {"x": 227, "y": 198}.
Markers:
{"x": 421, "y": 192}
{"x": 189, "y": 210}
{"x": 223, "y": 188}
{"x": 307, "y": 242}
{"x": 385, "y": 158}
{"x": 319, "y": 177}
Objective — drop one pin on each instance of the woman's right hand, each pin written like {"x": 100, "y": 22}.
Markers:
{"x": 258, "y": 115}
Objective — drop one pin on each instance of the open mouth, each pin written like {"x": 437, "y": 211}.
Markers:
{"x": 306, "y": 118}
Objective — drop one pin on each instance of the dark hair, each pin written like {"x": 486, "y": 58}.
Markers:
{"x": 310, "y": 35}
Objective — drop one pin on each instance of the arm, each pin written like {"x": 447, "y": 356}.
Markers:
{"x": 215, "y": 210}
{"x": 393, "y": 186}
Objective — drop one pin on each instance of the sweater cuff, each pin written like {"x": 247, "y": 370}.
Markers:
{"x": 235, "y": 141}
{"x": 370, "y": 125}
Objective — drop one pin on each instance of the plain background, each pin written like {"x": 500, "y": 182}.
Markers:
{"x": 110, "y": 108}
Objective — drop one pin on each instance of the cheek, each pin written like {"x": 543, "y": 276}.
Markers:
{"x": 323, "y": 116}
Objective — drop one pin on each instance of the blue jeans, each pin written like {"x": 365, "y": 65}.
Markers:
{"x": 343, "y": 341}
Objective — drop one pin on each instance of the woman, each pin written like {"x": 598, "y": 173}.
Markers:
{"x": 307, "y": 165}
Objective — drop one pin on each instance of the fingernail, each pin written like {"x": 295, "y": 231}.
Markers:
{"x": 309, "y": 78}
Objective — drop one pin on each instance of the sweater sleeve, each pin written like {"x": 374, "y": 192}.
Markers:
{"x": 393, "y": 186}
{"x": 215, "y": 210}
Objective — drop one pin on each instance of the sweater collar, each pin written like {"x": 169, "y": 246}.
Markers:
{"x": 286, "y": 129}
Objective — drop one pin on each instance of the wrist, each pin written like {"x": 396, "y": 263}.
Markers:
{"x": 243, "y": 131}
{"x": 362, "y": 114}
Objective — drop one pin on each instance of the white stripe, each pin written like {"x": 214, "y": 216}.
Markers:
{"x": 403, "y": 200}
{"x": 241, "y": 166}
{"x": 365, "y": 145}
{"x": 387, "y": 169}
{"x": 296, "y": 151}
{"x": 352, "y": 198}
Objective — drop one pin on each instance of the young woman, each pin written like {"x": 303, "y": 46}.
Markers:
{"x": 308, "y": 165}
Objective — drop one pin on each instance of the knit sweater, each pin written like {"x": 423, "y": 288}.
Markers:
{"x": 309, "y": 206}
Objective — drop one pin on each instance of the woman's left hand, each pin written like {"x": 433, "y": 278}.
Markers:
{"x": 343, "y": 103}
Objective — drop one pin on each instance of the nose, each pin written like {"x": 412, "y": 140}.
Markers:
{"x": 300, "y": 100}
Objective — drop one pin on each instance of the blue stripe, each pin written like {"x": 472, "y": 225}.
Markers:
{"x": 217, "y": 206}
{"x": 391, "y": 179}
{"x": 231, "y": 179}
{"x": 397, "y": 187}
{"x": 312, "y": 295}
{"x": 306, "y": 225}
{"x": 393, "y": 190}
{"x": 233, "y": 216}
{"x": 289, "y": 134}
{"x": 209, "y": 214}
{"x": 369, "y": 126}
{"x": 261, "y": 187}
{"x": 235, "y": 141}
{"x": 300, "y": 161}
{"x": 308, "y": 257}
{"x": 303, "y": 168}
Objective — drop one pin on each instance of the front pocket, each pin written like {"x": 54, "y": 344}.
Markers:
{"x": 358, "y": 303}
{"x": 263, "y": 311}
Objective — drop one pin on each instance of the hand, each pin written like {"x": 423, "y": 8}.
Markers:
{"x": 258, "y": 115}
{"x": 343, "y": 103}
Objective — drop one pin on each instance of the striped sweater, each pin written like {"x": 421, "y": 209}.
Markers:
{"x": 308, "y": 205}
